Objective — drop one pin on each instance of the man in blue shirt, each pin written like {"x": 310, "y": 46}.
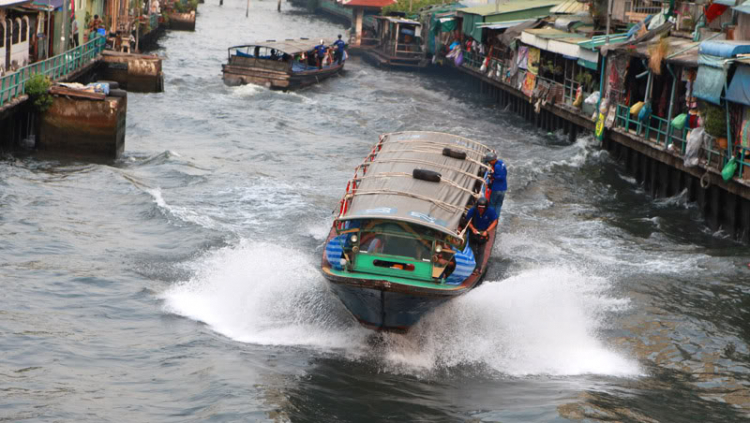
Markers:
{"x": 499, "y": 182}
{"x": 482, "y": 219}
{"x": 339, "y": 45}
{"x": 320, "y": 49}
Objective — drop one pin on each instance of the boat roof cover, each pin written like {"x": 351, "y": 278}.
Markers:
{"x": 388, "y": 190}
{"x": 288, "y": 46}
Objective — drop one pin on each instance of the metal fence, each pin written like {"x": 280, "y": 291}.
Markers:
{"x": 660, "y": 131}
{"x": 14, "y": 85}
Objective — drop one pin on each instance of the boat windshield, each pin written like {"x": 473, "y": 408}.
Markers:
{"x": 396, "y": 240}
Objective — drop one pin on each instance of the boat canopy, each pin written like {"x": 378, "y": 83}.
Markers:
{"x": 287, "y": 46}
{"x": 385, "y": 186}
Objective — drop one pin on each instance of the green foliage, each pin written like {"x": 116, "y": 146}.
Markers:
{"x": 716, "y": 124}
{"x": 37, "y": 89}
{"x": 185, "y": 6}
{"x": 404, "y": 6}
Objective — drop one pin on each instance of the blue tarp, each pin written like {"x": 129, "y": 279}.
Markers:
{"x": 709, "y": 83}
{"x": 724, "y": 48}
{"x": 739, "y": 89}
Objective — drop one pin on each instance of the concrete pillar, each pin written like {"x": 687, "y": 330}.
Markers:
{"x": 573, "y": 134}
{"x": 675, "y": 181}
{"x": 728, "y": 214}
{"x": 663, "y": 180}
{"x": 83, "y": 127}
{"x": 359, "y": 14}
{"x": 653, "y": 177}
{"x": 744, "y": 221}
{"x": 134, "y": 72}
{"x": 714, "y": 203}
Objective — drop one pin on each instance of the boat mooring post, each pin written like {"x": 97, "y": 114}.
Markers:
{"x": 278, "y": 7}
{"x": 247, "y": 11}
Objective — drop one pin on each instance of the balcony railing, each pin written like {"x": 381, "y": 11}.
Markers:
{"x": 57, "y": 67}
{"x": 660, "y": 131}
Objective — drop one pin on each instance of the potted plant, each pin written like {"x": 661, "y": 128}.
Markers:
{"x": 716, "y": 125}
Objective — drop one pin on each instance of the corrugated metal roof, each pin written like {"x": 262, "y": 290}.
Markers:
{"x": 398, "y": 20}
{"x": 552, "y": 33}
{"x": 570, "y": 7}
{"x": 513, "y": 6}
{"x": 599, "y": 40}
{"x": 503, "y": 25}
{"x": 287, "y": 46}
{"x": 379, "y": 4}
{"x": 388, "y": 190}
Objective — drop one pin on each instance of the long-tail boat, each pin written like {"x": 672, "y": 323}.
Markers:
{"x": 399, "y": 245}
{"x": 399, "y": 44}
{"x": 282, "y": 65}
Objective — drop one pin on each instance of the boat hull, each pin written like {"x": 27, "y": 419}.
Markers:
{"x": 383, "y": 305}
{"x": 238, "y": 75}
{"x": 380, "y": 59}
{"x": 385, "y": 310}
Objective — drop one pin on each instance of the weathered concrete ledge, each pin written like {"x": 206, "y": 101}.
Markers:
{"x": 134, "y": 72}
{"x": 83, "y": 127}
{"x": 182, "y": 21}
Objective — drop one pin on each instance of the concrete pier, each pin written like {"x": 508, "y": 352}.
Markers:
{"x": 84, "y": 127}
{"x": 182, "y": 21}
{"x": 134, "y": 72}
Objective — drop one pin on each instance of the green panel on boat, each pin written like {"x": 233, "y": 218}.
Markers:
{"x": 393, "y": 279}
{"x": 401, "y": 267}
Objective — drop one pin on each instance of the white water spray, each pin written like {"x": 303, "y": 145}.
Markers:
{"x": 543, "y": 321}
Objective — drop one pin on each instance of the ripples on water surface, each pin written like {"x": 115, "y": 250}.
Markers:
{"x": 181, "y": 284}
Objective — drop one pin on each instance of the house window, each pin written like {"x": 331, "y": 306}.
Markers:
{"x": 24, "y": 29}
{"x": 2, "y": 35}
{"x": 16, "y": 31}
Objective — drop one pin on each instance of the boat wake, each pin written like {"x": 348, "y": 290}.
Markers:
{"x": 540, "y": 322}
{"x": 545, "y": 321}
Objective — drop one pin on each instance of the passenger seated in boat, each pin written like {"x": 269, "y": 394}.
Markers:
{"x": 273, "y": 56}
{"x": 482, "y": 219}
{"x": 374, "y": 244}
{"x": 445, "y": 259}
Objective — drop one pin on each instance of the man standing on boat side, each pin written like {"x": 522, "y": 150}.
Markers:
{"x": 339, "y": 45}
{"x": 482, "y": 219}
{"x": 499, "y": 181}
{"x": 320, "y": 49}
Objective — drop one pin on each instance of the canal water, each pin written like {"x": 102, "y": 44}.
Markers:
{"x": 181, "y": 282}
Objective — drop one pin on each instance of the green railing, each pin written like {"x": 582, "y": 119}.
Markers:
{"x": 57, "y": 67}
{"x": 743, "y": 160}
{"x": 660, "y": 131}
{"x": 654, "y": 129}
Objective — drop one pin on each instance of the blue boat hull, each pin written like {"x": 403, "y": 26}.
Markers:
{"x": 385, "y": 310}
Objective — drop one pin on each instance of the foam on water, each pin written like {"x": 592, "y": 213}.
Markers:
{"x": 263, "y": 294}
{"x": 543, "y": 321}
{"x": 247, "y": 90}
{"x": 181, "y": 213}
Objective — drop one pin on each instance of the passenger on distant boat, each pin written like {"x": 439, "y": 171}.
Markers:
{"x": 339, "y": 50}
{"x": 499, "y": 182}
{"x": 482, "y": 219}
